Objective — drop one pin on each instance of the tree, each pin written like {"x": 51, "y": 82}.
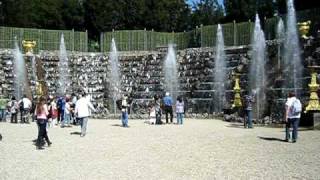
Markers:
{"x": 242, "y": 10}
{"x": 73, "y": 14}
{"x": 33, "y": 13}
{"x": 207, "y": 12}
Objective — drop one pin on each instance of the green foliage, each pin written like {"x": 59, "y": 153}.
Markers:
{"x": 207, "y": 12}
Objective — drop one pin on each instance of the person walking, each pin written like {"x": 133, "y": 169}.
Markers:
{"x": 248, "y": 101}
{"x": 14, "y": 106}
{"x": 124, "y": 111}
{"x": 179, "y": 110}
{"x": 41, "y": 113}
{"x": 82, "y": 111}
{"x": 167, "y": 100}
{"x": 292, "y": 117}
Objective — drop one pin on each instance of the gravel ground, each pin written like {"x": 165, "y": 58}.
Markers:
{"x": 200, "y": 149}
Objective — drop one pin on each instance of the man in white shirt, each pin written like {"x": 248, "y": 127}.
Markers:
{"x": 25, "y": 109}
{"x": 292, "y": 118}
{"x": 82, "y": 111}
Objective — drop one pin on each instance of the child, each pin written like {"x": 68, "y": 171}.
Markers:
{"x": 53, "y": 113}
{"x": 152, "y": 115}
{"x": 179, "y": 110}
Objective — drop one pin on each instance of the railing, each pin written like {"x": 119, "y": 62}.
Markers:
{"x": 46, "y": 39}
{"x": 235, "y": 34}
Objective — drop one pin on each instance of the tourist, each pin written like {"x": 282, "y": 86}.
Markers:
{"x": 158, "y": 111}
{"x": 53, "y": 111}
{"x": 167, "y": 100}
{"x": 248, "y": 101}
{"x": 14, "y": 107}
{"x": 61, "y": 106}
{"x": 82, "y": 111}
{"x": 67, "y": 114}
{"x": 25, "y": 107}
{"x": 73, "y": 105}
{"x": 41, "y": 114}
{"x": 3, "y": 107}
{"x": 179, "y": 110}
{"x": 124, "y": 111}
{"x": 292, "y": 117}
{"x": 152, "y": 115}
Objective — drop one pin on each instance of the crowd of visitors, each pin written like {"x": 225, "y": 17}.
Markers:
{"x": 65, "y": 111}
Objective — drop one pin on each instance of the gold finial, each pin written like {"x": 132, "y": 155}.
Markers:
{"x": 304, "y": 28}
{"x": 39, "y": 88}
{"x": 313, "y": 104}
{"x": 28, "y": 46}
{"x": 237, "y": 98}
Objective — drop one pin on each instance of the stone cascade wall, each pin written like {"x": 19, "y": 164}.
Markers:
{"x": 86, "y": 73}
{"x": 142, "y": 77}
{"x": 196, "y": 73}
{"x": 6, "y": 73}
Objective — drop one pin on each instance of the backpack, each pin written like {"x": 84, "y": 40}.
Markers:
{"x": 296, "y": 108}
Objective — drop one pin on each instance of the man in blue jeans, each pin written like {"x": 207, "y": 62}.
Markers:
{"x": 168, "y": 102}
{"x": 124, "y": 110}
{"x": 83, "y": 111}
{"x": 3, "y": 107}
{"x": 292, "y": 118}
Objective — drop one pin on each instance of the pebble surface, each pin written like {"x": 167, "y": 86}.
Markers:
{"x": 199, "y": 149}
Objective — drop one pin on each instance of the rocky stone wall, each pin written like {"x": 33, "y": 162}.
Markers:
{"x": 142, "y": 77}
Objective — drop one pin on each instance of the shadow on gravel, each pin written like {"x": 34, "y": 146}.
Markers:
{"x": 271, "y": 139}
{"x": 75, "y": 133}
{"x": 117, "y": 125}
{"x": 235, "y": 126}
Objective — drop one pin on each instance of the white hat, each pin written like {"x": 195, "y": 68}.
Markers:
{"x": 167, "y": 93}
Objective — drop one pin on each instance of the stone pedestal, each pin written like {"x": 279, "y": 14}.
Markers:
{"x": 310, "y": 119}
{"x": 316, "y": 120}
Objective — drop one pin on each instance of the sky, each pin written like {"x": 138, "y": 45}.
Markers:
{"x": 191, "y": 1}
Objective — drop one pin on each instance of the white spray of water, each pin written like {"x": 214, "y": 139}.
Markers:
{"x": 19, "y": 71}
{"x": 257, "y": 75}
{"x": 220, "y": 76}
{"x": 171, "y": 72}
{"x": 64, "y": 70}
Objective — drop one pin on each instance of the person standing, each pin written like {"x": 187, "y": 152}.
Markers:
{"x": 248, "y": 101}
{"x": 82, "y": 111}
{"x": 292, "y": 117}
{"x": 124, "y": 110}
{"x": 3, "y": 107}
{"x": 73, "y": 105}
{"x": 41, "y": 112}
{"x": 67, "y": 114}
{"x": 26, "y": 105}
{"x": 179, "y": 110}
{"x": 61, "y": 107}
{"x": 167, "y": 100}
{"x": 14, "y": 110}
{"x": 53, "y": 112}
{"x": 157, "y": 107}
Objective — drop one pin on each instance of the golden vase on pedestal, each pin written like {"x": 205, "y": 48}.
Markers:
{"x": 236, "y": 89}
{"x": 313, "y": 104}
{"x": 28, "y": 46}
{"x": 304, "y": 28}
